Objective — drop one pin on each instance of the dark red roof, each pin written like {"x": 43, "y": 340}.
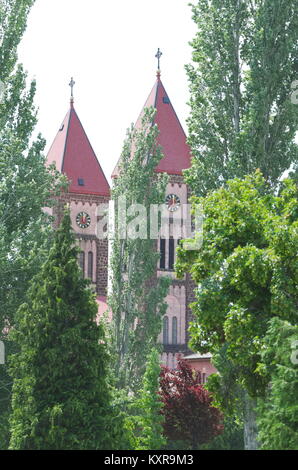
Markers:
{"x": 171, "y": 137}
{"x": 75, "y": 157}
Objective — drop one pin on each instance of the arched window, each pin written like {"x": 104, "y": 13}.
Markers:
{"x": 90, "y": 265}
{"x": 165, "y": 330}
{"x": 82, "y": 262}
{"x": 174, "y": 330}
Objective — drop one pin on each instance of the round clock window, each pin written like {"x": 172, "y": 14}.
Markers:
{"x": 83, "y": 220}
{"x": 173, "y": 202}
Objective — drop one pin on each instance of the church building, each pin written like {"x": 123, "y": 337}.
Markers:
{"x": 74, "y": 156}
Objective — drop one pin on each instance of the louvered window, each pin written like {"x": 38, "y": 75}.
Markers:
{"x": 171, "y": 253}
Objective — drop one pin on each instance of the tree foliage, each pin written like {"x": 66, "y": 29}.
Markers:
{"x": 278, "y": 410}
{"x": 25, "y": 185}
{"x": 242, "y": 117}
{"x": 188, "y": 409}
{"x": 230, "y": 439}
{"x": 246, "y": 272}
{"x": 146, "y": 420}
{"x": 25, "y": 182}
{"x": 227, "y": 394}
{"x": 137, "y": 296}
{"x": 61, "y": 396}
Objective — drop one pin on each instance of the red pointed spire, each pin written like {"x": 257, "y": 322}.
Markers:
{"x": 75, "y": 157}
{"x": 171, "y": 138}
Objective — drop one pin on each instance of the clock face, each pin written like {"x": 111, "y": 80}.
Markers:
{"x": 173, "y": 202}
{"x": 83, "y": 220}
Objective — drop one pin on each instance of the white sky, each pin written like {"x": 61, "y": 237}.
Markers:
{"x": 109, "y": 47}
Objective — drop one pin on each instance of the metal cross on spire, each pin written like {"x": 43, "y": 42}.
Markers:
{"x": 72, "y": 84}
{"x": 158, "y": 56}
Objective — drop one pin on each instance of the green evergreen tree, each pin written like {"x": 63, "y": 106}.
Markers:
{"x": 25, "y": 186}
{"x": 60, "y": 391}
{"x": 277, "y": 415}
{"x": 146, "y": 428}
{"x": 230, "y": 439}
{"x": 229, "y": 396}
{"x": 242, "y": 117}
{"x": 137, "y": 295}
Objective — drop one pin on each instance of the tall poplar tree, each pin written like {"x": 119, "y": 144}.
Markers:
{"x": 242, "y": 116}
{"x": 60, "y": 392}
{"x": 25, "y": 184}
{"x": 137, "y": 295}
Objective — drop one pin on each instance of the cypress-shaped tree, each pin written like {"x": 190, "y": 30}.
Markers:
{"x": 60, "y": 391}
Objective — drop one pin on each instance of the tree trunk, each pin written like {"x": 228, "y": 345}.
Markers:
{"x": 250, "y": 425}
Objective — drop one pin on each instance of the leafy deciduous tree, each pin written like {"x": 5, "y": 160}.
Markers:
{"x": 246, "y": 273}
{"x": 188, "y": 410}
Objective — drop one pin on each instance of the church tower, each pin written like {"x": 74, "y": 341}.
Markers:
{"x": 88, "y": 188}
{"x": 177, "y": 158}
{"x": 88, "y": 195}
